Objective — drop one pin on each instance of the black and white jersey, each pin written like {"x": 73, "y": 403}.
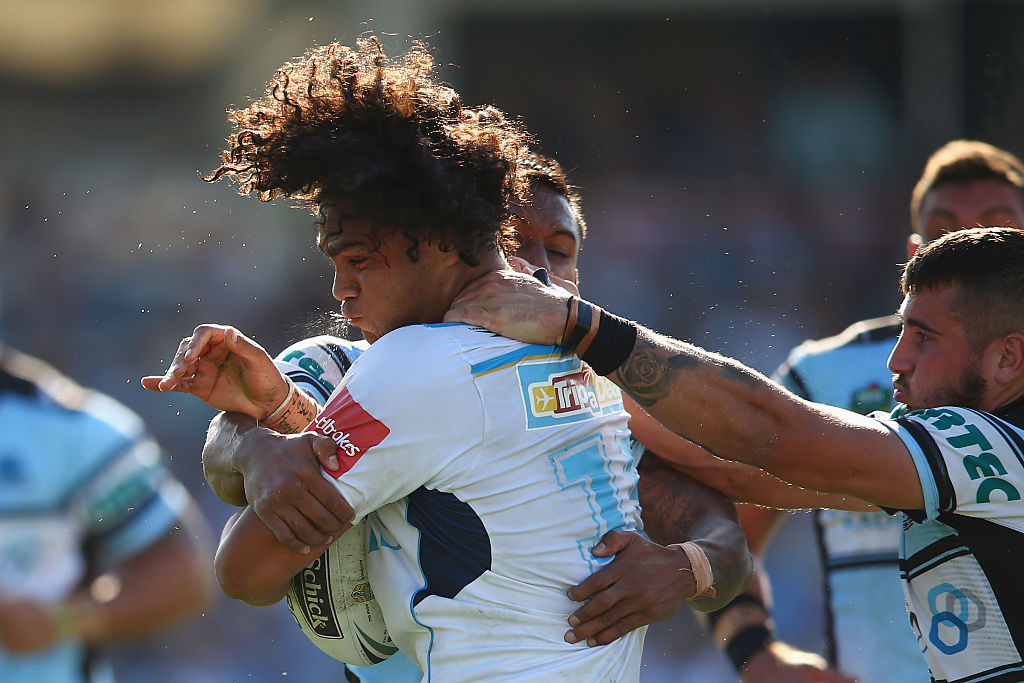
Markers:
{"x": 961, "y": 556}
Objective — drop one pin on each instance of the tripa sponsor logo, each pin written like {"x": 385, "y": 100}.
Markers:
{"x": 570, "y": 393}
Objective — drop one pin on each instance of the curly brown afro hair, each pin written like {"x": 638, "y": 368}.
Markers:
{"x": 353, "y": 122}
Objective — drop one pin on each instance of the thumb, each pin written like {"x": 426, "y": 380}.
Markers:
{"x": 326, "y": 452}
{"x": 612, "y": 543}
{"x": 238, "y": 343}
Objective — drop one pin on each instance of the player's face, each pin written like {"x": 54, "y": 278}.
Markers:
{"x": 986, "y": 203}
{"x": 933, "y": 363}
{"x": 379, "y": 287}
{"x": 548, "y": 235}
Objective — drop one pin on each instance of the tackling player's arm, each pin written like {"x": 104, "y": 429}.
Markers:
{"x": 741, "y": 414}
{"x": 253, "y": 566}
{"x": 740, "y": 482}
{"x": 279, "y": 476}
{"x": 744, "y": 627}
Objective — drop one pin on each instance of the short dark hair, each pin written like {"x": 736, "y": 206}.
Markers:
{"x": 537, "y": 169}
{"x": 960, "y": 162}
{"x": 988, "y": 266}
{"x": 352, "y": 122}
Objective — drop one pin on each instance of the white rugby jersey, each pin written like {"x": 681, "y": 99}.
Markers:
{"x": 77, "y": 469}
{"x": 867, "y": 634}
{"x": 961, "y": 556}
{"x": 489, "y": 469}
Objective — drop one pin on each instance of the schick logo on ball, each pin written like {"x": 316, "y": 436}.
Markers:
{"x": 312, "y": 591}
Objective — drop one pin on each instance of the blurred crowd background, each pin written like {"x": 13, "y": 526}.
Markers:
{"x": 745, "y": 168}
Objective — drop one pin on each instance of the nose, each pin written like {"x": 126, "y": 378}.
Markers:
{"x": 901, "y": 359}
{"x": 534, "y": 252}
{"x": 344, "y": 285}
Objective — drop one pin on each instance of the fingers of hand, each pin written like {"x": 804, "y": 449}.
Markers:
{"x": 326, "y": 453}
{"x": 616, "y": 619}
{"x": 613, "y": 542}
{"x": 593, "y": 584}
{"x": 294, "y": 535}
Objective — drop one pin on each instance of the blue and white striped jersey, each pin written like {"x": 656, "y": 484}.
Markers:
{"x": 961, "y": 556}
{"x": 77, "y": 471}
{"x": 488, "y": 469}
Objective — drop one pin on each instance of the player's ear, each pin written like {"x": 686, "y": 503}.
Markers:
{"x": 1010, "y": 364}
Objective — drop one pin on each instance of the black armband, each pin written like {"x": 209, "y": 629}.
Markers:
{"x": 610, "y": 344}
{"x": 747, "y": 643}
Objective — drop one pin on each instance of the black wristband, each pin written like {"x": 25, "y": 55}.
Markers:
{"x": 612, "y": 344}
{"x": 747, "y": 643}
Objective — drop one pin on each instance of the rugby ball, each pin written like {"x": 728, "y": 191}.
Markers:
{"x": 333, "y": 604}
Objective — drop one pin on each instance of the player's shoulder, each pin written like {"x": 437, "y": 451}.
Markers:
{"x": 436, "y": 354}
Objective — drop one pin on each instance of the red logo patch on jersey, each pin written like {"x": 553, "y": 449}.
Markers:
{"x": 348, "y": 425}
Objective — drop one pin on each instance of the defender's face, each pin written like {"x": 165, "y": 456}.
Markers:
{"x": 548, "y": 235}
{"x": 933, "y": 364}
{"x": 955, "y": 206}
{"x": 379, "y": 287}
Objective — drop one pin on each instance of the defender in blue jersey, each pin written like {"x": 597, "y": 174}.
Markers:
{"x": 83, "y": 486}
{"x": 951, "y": 460}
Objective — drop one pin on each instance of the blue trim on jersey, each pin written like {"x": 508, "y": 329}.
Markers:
{"x": 454, "y": 548}
{"x": 505, "y": 360}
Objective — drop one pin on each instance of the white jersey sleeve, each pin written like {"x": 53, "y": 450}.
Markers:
{"x": 389, "y": 443}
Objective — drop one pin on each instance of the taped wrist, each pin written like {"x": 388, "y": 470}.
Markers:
{"x": 294, "y": 414}
{"x": 700, "y": 567}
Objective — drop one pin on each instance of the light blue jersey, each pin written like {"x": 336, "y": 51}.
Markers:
{"x": 868, "y": 634}
{"x": 77, "y": 471}
{"x": 488, "y": 469}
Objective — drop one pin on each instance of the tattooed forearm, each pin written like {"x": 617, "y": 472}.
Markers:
{"x": 648, "y": 372}
{"x": 677, "y": 508}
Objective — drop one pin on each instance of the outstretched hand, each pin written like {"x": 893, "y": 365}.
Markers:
{"x": 514, "y": 304}
{"x": 227, "y": 370}
{"x": 644, "y": 583}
